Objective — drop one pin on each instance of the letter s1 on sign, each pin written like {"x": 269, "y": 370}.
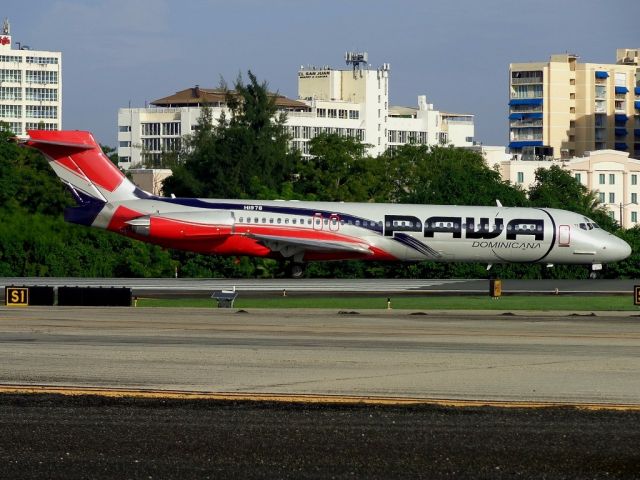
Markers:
{"x": 16, "y": 296}
{"x": 636, "y": 294}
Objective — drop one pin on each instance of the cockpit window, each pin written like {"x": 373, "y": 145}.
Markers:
{"x": 588, "y": 224}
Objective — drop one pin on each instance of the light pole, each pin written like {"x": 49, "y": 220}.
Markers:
{"x": 622, "y": 205}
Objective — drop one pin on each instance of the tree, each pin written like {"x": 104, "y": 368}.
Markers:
{"x": 338, "y": 171}
{"x": 26, "y": 180}
{"x": 556, "y": 188}
{"x": 244, "y": 155}
{"x": 450, "y": 175}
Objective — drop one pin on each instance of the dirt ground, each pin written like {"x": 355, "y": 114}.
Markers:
{"x": 50, "y": 436}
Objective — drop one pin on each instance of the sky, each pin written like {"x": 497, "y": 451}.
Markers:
{"x": 117, "y": 53}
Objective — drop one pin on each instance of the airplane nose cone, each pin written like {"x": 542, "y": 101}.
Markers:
{"x": 617, "y": 249}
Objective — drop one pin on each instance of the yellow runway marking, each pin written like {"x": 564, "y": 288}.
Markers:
{"x": 300, "y": 398}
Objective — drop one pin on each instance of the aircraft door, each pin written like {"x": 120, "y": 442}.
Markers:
{"x": 564, "y": 235}
{"x": 334, "y": 222}
{"x": 317, "y": 221}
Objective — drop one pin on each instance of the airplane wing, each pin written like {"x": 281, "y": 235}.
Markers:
{"x": 290, "y": 246}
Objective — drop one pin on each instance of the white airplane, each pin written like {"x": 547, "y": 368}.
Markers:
{"x": 299, "y": 231}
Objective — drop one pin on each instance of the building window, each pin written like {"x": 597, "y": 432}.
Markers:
{"x": 634, "y": 198}
{"x": 11, "y": 111}
{"x": 150, "y": 129}
{"x": 10, "y": 93}
{"x": 321, "y": 112}
{"x": 41, "y": 126}
{"x": 601, "y": 197}
{"x": 151, "y": 144}
{"x": 171, "y": 128}
{"x": 634, "y": 217}
{"x": 10, "y": 75}
{"x": 354, "y": 114}
{"x": 124, "y": 128}
{"x": 42, "y": 94}
{"x": 332, "y": 113}
{"x": 10, "y": 58}
{"x": 578, "y": 178}
{"x": 634, "y": 179}
{"x": 612, "y": 179}
{"x": 41, "y": 111}
{"x": 342, "y": 113}
{"x": 612, "y": 197}
{"x": 124, "y": 144}
{"x": 42, "y": 60}
{"x": 41, "y": 76}
{"x": 520, "y": 177}
{"x": 601, "y": 179}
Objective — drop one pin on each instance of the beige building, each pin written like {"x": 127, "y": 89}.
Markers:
{"x": 150, "y": 179}
{"x": 563, "y": 108}
{"x": 611, "y": 174}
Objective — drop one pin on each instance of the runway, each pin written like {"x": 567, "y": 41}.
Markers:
{"x": 468, "y": 356}
{"x": 190, "y": 286}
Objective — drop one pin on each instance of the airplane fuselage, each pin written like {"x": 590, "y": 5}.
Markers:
{"x": 404, "y": 232}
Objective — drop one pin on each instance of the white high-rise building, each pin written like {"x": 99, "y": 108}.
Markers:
{"x": 30, "y": 87}
{"x": 353, "y": 102}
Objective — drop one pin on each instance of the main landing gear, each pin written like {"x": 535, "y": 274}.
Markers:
{"x": 295, "y": 269}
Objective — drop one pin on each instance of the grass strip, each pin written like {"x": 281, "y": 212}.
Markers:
{"x": 511, "y": 302}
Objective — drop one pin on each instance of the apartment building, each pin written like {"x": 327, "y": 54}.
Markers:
{"x": 563, "y": 108}
{"x": 30, "y": 86}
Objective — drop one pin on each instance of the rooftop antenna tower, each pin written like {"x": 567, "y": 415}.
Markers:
{"x": 6, "y": 28}
{"x": 356, "y": 59}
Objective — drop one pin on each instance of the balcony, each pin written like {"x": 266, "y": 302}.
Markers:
{"x": 525, "y": 123}
{"x": 526, "y": 80}
{"x": 525, "y": 143}
{"x": 526, "y": 101}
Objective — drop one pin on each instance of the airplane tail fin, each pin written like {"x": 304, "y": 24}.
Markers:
{"x": 80, "y": 163}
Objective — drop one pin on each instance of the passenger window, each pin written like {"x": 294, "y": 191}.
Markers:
{"x": 279, "y": 220}
{"x": 286, "y": 220}
{"x": 256, "y": 220}
{"x": 264, "y": 220}
{"x": 240, "y": 219}
{"x": 294, "y": 221}
{"x": 271, "y": 220}
{"x": 357, "y": 223}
